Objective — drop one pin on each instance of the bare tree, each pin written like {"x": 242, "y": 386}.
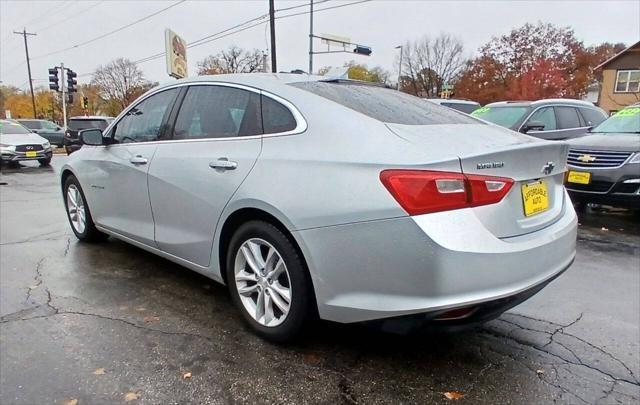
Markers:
{"x": 120, "y": 82}
{"x": 429, "y": 63}
{"x": 232, "y": 60}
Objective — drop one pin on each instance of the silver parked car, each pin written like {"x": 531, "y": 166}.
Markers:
{"x": 333, "y": 198}
{"x": 18, "y": 143}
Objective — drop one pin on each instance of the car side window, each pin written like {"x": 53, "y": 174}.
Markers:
{"x": 592, "y": 117}
{"x": 144, "y": 122}
{"x": 276, "y": 117}
{"x": 31, "y": 124}
{"x": 567, "y": 117}
{"x": 211, "y": 111}
{"x": 546, "y": 116}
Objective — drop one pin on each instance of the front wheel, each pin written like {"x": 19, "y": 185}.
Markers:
{"x": 78, "y": 213}
{"x": 268, "y": 281}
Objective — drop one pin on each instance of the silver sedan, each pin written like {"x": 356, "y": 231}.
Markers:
{"x": 312, "y": 197}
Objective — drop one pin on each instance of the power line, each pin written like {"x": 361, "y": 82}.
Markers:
{"x": 58, "y": 7}
{"x": 111, "y": 32}
{"x": 67, "y": 18}
{"x": 216, "y": 36}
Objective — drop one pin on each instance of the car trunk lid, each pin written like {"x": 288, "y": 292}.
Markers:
{"x": 534, "y": 165}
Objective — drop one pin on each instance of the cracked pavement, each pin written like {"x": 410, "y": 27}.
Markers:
{"x": 67, "y": 309}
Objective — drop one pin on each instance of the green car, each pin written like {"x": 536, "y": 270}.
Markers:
{"x": 46, "y": 129}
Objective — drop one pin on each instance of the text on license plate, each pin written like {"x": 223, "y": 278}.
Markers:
{"x": 32, "y": 153}
{"x": 535, "y": 197}
{"x": 579, "y": 177}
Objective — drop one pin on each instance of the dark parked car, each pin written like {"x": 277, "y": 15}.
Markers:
{"x": 604, "y": 167}
{"x": 46, "y": 129}
{"x": 551, "y": 119}
{"x": 75, "y": 124}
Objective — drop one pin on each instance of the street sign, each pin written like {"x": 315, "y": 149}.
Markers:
{"x": 176, "y": 51}
{"x": 329, "y": 40}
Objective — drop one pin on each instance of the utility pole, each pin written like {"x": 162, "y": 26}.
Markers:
{"x": 399, "y": 66}
{"x": 311, "y": 37}
{"x": 64, "y": 97}
{"x": 24, "y": 33}
{"x": 272, "y": 19}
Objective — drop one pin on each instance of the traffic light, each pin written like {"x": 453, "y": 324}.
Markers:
{"x": 71, "y": 81}
{"x": 362, "y": 50}
{"x": 54, "y": 81}
{"x": 85, "y": 103}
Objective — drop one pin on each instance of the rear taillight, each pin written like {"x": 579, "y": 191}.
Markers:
{"x": 422, "y": 191}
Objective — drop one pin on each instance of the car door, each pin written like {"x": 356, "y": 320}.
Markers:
{"x": 119, "y": 177}
{"x": 547, "y": 116}
{"x": 216, "y": 141}
{"x": 570, "y": 123}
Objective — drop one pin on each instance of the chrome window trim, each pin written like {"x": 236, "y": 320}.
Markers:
{"x": 558, "y": 105}
{"x": 301, "y": 122}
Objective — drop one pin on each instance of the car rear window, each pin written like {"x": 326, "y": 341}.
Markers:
{"x": 77, "y": 125}
{"x": 385, "y": 104}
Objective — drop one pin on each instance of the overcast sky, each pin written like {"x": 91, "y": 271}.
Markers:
{"x": 381, "y": 24}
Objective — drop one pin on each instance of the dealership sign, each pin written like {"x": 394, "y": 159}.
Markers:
{"x": 176, "y": 51}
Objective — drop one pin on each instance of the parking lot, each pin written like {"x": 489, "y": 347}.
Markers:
{"x": 110, "y": 323}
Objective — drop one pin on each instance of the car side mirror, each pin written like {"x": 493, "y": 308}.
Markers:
{"x": 35, "y": 131}
{"x": 91, "y": 136}
{"x": 534, "y": 126}
{"x": 58, "y": 128}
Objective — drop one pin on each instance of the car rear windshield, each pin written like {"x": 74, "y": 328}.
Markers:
{"x": 503, "y": 116}
{"x": 13, "y": 128}
{"x": 624, "y": 121}
{"x": 385, "y": 104}
{"x": 77, "y": 125}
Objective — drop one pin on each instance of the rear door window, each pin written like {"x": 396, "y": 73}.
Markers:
{"x": 218, "y": 112}
{"x": 567, "y": 117}
{"x": 31, "y": 124}
{"x": 386, "y": 105}
{"x": 546, "y": 116}
{"x": 276, "y": 117}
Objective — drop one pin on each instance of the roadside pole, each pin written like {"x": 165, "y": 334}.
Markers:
{"x": 64, "y": 97}
{"x": 311, "y": 37}
{"x": 24, "y": 33}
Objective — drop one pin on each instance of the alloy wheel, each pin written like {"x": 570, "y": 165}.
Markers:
{"x": 76, "y": 208}
{"x": 262, "y": 281}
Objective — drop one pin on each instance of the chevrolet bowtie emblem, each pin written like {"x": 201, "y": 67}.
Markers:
{"x": 548, "y": 168}
{"x": 586, "y": 158}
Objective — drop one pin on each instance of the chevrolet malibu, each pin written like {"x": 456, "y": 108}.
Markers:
{"x": 313, "y": 197}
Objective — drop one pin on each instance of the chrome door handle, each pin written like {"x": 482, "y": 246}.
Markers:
{"x": 224, "y": 164}
{"x": 138, "y": 160}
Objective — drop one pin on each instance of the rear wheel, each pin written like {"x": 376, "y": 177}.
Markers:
{"x": 268, "y": 281}
{"x": 78, "y": 213}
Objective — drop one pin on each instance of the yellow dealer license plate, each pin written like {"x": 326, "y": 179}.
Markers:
{"x": 535, "y": 197}
{"x": 32, "y": 153}
{"x": 579, "y": 177}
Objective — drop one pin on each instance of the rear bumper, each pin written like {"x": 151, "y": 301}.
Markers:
{"x": 429, "y": 263}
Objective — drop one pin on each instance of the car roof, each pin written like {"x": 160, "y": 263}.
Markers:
{"x": 91, "y": 117}
{"x": 524, "y": 103}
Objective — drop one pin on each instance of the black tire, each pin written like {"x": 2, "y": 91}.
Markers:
{"x": 45, "y": 161}
{"x": 90, "y": 233}
{"x": 580, "y": 206}
{"x": 300, "y": 310}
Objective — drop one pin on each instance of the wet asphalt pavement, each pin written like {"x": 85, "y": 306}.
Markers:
{"x": 69, "y": 310}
